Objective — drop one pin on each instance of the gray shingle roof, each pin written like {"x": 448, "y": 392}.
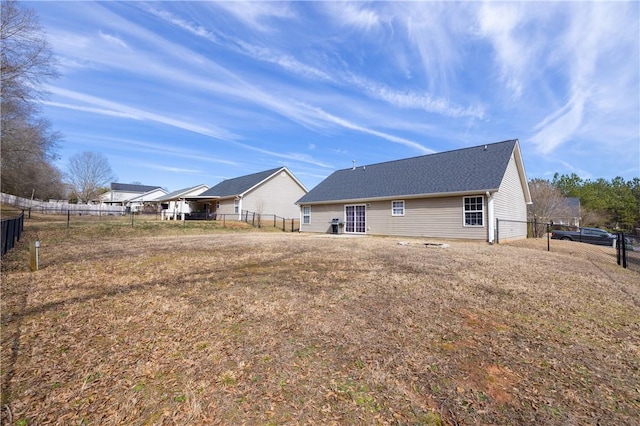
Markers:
{"x": 239, "y": 185}
{"x": 462, "y": 170}
{"x": 130, "y": 187}
{"x": 176, "y": 194}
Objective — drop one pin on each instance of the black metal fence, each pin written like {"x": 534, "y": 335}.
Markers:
{"x": 261, "y": 220}
{"x": 621, "y": 248}
{"x": 628, "y": 251}
{"x": 11, "y": 231}
{"x": 258, "y": 220}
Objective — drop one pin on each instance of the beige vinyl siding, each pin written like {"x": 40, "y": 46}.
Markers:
{"x": 321, "y": 215}
{"x": 424, "y": 217}
{"x": 276, "y": 196}
{"x": 509, "y": 204}
{"x": 226, "y": 208}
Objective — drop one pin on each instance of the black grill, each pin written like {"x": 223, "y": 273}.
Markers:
{"x": 336, "y": 224}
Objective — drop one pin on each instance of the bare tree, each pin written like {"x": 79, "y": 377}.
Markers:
{"x": 260, "y": 205}
{"x": 28, "y": 143}
{"x": 87, "y": 173}
{"x": 548, "y": 204}
{"x": 27, "y": 59}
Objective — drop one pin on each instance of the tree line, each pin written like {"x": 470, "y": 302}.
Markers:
{"x": 612, "y": 204}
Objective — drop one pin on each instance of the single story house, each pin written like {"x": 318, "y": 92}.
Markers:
{"x": 177, "y": 203}
{"x": 453, "y": 194}
{"x": 568, "y": 212}
{"x": 133, "y": 196}
{"x": 271, "y": 192}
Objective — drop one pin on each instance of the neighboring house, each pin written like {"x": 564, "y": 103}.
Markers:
{"x": 145, "y": 202}
{"x": 121, "y": 194}
{"x": 177, "y": 203}
{"x": 569, "y": 212}
{"x": 271, "y": 192}
{"x": 454, "y": 194}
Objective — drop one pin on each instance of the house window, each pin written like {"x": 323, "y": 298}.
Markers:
{"x": 397, "y": 208}
{"x": 236, "y": 206}
{"x": 473, "y": 211}
{"x": 306, "y": 214}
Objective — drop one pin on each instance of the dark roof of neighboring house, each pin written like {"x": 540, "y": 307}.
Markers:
{"x": 479, "y": 168}
{"x": 239, "y": 185}
{"x": 573, "y": 204}
{"x": 130, "y": 187}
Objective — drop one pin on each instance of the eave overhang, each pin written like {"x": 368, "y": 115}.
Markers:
{"x": 401, "y": 197}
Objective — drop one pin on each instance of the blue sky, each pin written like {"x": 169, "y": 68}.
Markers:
{"x": 181, "y": 93}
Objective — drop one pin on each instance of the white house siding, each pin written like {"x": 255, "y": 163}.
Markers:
{"x": 509, "y": 204}
{"x": 276, "y": 196}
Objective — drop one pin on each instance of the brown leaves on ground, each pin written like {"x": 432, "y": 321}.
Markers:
{"x": 269, "y": 328}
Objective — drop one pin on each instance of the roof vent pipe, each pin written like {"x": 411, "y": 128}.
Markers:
{"x": 485, "y": 147}
{"x": 353, "y": 167}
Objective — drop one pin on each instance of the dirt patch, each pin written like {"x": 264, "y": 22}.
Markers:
{"x": 226, "y": 327}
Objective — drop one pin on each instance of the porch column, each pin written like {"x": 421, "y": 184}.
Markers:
{"x": 490, "y": 218}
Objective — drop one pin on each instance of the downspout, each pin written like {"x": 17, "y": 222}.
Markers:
{"x": 239, "y": 198}
{"x": 490, "y": 217}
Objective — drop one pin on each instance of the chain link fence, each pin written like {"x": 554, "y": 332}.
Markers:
{"x": 593, "y": 243}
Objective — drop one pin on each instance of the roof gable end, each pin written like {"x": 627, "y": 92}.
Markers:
{"x": 240, "y": 185}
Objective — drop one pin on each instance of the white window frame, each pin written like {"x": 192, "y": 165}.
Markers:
{"x": 394, "y": 208}
{"x": 306, "y": 215}
{"x": 474, "y": 212}
{"x": 236, "y": 206}
{"x": 355, "y": 223}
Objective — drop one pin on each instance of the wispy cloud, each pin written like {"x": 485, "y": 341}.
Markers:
{"x": 352, "y": 126}
{"x": 93, "y": 110}
{"x": 559, "y": 126}
{"x": 170, "y": 169}
{"x": 598, "y": 64}
{"x": 500, "y": 23}
{"x": 179, "y": 22}
{"x": 106, "y": 107}
{"x": 113, "y": 40}
{"x": 353, "y": 15}
{"x": 258, "y": 15}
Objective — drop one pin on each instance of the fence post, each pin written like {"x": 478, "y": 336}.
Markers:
{"x": 624, "y": 251}
{"x": 68, "y": 217}
{"x": 132, "y": 218}
{"x": 618, "y": 249}
{"x": 497, "y": 230}
{"x": 20, "y": 225}
{"x": 548, "y": 236}
{"x": 291, "y": 225}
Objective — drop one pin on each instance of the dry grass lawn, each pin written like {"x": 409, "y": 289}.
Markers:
{"x": 163, "y": 325}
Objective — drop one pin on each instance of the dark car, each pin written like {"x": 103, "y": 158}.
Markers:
{"x": 586, "y": 235}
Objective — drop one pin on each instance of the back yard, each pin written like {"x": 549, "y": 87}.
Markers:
{"x": 171, "y": 325}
